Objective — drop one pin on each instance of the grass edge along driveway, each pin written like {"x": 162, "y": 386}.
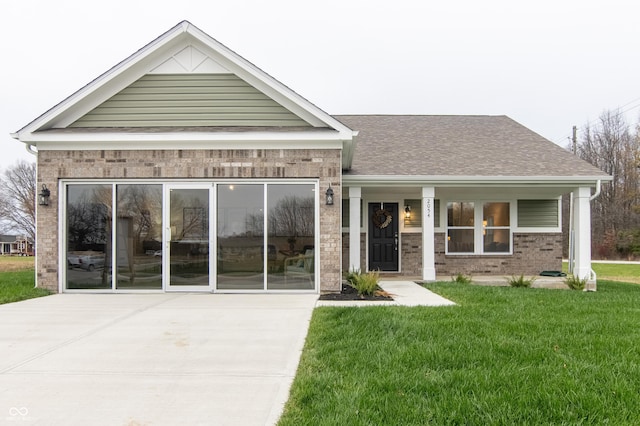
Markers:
{"x": 502, "y": 356}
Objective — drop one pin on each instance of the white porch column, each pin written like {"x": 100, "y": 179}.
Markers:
{"x": 428, "y": 248}
{"x": 582, "y": 234}
{"x": 355, "y": 195}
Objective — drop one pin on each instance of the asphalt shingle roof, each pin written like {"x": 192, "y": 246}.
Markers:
{"x": 432, "y": 145}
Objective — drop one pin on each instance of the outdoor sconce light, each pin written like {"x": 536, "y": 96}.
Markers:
{"x": 407, "y": 212}
{"x": 43, "y": 196}
{"x": 329, "y": 196}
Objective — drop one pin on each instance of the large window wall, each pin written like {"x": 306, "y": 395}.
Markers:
{"x": 258, "y": 236}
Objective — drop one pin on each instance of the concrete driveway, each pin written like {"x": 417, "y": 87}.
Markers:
{"x": 152, "y": 359}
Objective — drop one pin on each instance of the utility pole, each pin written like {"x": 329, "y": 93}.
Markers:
{"x": 575, "y": 140}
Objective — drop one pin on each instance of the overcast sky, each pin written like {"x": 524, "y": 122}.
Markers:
{"x": 548, "y": 64}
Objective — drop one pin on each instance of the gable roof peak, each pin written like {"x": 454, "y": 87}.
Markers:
{"x": 150, "y": 57}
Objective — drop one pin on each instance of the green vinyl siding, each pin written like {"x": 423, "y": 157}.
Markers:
{"x": 189, "y": 100}
{"x": 537, "y": 213}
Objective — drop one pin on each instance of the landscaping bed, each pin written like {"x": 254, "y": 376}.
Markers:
{"x": 350, "y": 293}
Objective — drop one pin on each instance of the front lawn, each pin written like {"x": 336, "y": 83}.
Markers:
{"x": 19, "y": 285}
{"x": 502, "y": 356}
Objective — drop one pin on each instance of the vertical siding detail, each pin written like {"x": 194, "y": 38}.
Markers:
{"x": 537, "y": 213}
{"x": 177, "y": 100}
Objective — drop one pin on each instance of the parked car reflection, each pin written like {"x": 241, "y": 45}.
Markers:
{"x": 86, "y": 261}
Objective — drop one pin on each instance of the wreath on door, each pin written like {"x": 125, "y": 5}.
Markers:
{"x": 381, "y": 218}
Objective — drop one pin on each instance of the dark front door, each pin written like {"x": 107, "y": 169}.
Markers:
{"x": 383, "y": 236}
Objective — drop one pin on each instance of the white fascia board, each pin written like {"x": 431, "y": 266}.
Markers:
{"x": 39, "y": 138}
{"x": 85, "y": 141}
{"x": 460, "y": 181}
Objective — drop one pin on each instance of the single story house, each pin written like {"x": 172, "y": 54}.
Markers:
{"x": 15, "y": 245}
{"x": 187, "y": 168}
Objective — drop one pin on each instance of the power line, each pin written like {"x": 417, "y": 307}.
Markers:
{"x": 619, "y": 113}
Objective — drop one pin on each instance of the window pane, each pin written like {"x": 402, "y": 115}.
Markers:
{"x": 139, "y": 237}
{"x": 240, "y": 237}
{"x": 495, "y": 214}
{"x": 460, "y": 214}
{"x": 189, "y": 244}
{"x": 496, "y": 241}
{"x": 290, "y": 242}
{"x": 89, "y": 236}
{"x": 460, "y": 241}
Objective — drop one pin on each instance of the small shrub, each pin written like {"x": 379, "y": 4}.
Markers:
{"x": 461, "y": 279}
{"x": 349, "y": 276}
{"x": 575, "y": 283}
{"x": 365, "y": 284}
{"x": 521, "y": 281}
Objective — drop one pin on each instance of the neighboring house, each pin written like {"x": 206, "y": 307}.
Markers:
{"x": 187, "y": 168}
{"x": 16, "y": 245}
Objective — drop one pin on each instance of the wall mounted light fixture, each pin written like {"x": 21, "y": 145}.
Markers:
{"x": 329, "y": 200}
{"x": 407, "y": 212}
{"x": 43, "y": 196}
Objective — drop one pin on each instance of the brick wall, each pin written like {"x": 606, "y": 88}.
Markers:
{"x": 532, "y": 253}
{"x": 205, "y": 165}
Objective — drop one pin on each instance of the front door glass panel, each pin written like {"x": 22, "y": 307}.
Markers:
{"x": 189, "y": 237}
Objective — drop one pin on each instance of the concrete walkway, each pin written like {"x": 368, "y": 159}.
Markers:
{"x": 152, "y": 359}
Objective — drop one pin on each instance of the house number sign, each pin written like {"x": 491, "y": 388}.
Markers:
{"x": 428, "y": 207}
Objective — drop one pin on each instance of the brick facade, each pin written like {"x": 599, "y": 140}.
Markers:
{"x": 532, "y": 253}
{"x": 204, "y": 165}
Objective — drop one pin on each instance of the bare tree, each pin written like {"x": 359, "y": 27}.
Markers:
{"x": 611, "y": 146}
{"x": 18, "y": 198}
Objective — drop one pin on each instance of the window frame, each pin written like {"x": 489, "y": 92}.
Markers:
{"x": 478, "y": 227}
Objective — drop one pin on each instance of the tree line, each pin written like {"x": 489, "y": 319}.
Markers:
{"x": 613, "y": 146}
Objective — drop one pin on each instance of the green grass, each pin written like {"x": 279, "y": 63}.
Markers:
{"x": 614, "y": 271}
{"x": 502, "y": 356}
{"x": 19, "y": 285}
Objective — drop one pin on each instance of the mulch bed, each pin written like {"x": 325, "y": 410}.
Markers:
{"x": 350, "y": 293}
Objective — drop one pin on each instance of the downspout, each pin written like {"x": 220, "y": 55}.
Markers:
{"x": 593, "y": 276}
{"x": 571, "y": 248}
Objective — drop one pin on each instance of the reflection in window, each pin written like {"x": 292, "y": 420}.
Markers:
{"x": 460, "y": 227}
{"x": 495, "y": 231}
{"x": 240, "y": 237}
{"x": 465, "y": 228}
{"x": 139, "y": 237}
{"x": 290, "y": 241}
{"x": 88, "y": 256}
{"x": 189, "y": 243}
